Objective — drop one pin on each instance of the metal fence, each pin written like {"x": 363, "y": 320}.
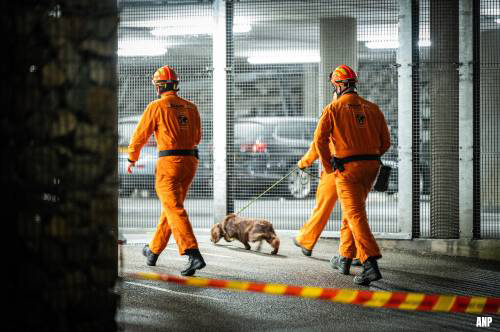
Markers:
{"x": 438, "y": 109}
{"x": 281, "y": 86}
{"x": 266, "y": 98}
{"x": 489, "y": 119}
{"x": 151, "y": 36}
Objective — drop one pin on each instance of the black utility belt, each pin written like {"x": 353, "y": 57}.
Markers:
{"x": 166, "y": 153}
{"x": 338, "y": 163}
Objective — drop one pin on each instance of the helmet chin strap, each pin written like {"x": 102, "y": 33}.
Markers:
{"x": 339, "y": 91}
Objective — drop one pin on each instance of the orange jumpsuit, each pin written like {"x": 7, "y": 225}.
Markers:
{"x": 177, "y": 126}
{"x": 356, "y": 127}
{"x": 326, "y": 197}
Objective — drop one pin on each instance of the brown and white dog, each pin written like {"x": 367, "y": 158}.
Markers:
{"x": 245, "y": 230}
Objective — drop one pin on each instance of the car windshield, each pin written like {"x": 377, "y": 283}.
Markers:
{"x": 303, "y": 130}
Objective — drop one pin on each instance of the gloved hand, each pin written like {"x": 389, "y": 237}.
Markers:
{"x": 130, "y": 165}
{"x": 301, "y": 166}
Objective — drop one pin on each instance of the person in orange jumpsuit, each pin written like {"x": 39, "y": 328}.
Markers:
{"x": 176, "y": 125}
{"x": 326, "y": 197}
{"x": 360, "y": 135}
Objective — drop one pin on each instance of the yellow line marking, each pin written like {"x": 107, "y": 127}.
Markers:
{"x": 444, "y": 303}
{"x": 379, "y": 299}
{"x": 476, "y": 304}
{"x": 412, "y": 301}
{"x": 275, "y": 289}
{"x": 345, "y": 296}
{"x": 313, "y": 292}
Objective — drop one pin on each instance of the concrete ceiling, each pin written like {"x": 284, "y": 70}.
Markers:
{"x": 275, "y": 25}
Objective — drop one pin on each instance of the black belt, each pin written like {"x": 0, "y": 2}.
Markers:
{"x": 165, "y": 153}
{"x": 338, "y": 163}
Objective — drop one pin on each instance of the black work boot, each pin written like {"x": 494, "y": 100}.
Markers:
{"x": 356, "y": 262}
{"x": 370, "y": 273}
{"x": 342, "y": 264}
{"x": 151, "y": 257}
{"x": 305, "y": 251}
{"x": 195, "y": 262}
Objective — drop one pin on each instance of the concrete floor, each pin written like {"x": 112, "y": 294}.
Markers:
{"x": 157, "y": 306}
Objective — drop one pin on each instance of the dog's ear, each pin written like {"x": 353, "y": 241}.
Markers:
{"x": 216, "y": 233}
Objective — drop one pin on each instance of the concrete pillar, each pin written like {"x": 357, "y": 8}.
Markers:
{"x": 443, "y": 89}
{"x": 466, "y": 120}
{"x": 490, "y": 121}
{"x": 219, "y": 110}
{"x": 223, "y": 108}
{"x": 405, "y": 118}
{"x": 338, "y": 45}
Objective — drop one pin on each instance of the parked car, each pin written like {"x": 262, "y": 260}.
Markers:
{"x": 143, "y": 176}
{"x": 267, "y": 148}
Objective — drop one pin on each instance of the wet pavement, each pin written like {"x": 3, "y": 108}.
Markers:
{"x": 158, "y": 306}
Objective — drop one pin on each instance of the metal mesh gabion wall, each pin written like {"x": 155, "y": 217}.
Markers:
{"x": 59, "y": 130}
{"x": 489, "y": 121}
{"x": 152, "y": 35}
{"x": 283, "y": 53}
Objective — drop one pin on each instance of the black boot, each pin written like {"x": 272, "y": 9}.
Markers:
{"x": 342, "y": 264}
{"x": 370, "y": 273}
{"x": 305, "y": 252}
{"x": 151, "y": 257}
{"x": 195, "y": 262}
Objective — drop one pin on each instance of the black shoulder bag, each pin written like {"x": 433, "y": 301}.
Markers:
{"x": 382, "y": 181}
